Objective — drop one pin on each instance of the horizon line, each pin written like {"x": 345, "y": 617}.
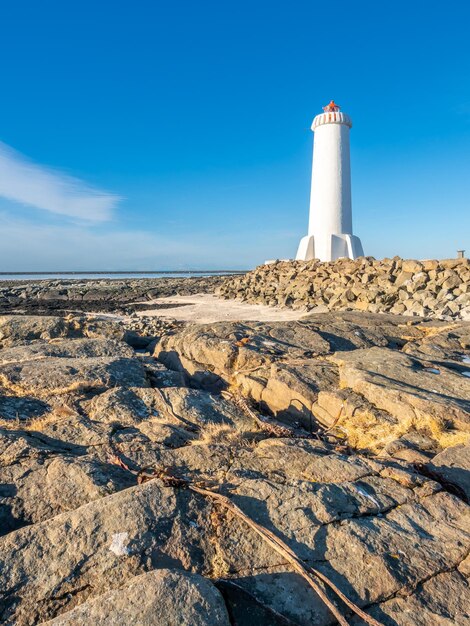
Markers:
{"x": 40, "y": 273}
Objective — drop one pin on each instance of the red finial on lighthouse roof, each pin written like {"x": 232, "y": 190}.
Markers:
{"x": 332, "y": 106}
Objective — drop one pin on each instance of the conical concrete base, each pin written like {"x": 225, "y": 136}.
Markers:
{"x": 329, "y": 247}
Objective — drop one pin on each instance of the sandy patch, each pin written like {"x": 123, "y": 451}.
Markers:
{"x": 207, "y": 308}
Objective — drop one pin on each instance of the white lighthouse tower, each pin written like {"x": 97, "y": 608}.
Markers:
{"x": 330, "y": 235}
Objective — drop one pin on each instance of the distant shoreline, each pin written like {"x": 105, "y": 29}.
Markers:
{"x": 105, "y": 273}
{"x": 126, "y": 275}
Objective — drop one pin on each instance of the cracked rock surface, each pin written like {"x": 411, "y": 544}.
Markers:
{"x": 366, "y": 482}
{"x": 374, "y": 378}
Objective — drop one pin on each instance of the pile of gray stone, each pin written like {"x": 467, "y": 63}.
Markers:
{"x": 439, "y": 289}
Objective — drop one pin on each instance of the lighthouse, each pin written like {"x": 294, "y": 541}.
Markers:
{"x": 330, "y": 233}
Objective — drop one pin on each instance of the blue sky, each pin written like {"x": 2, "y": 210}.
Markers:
{"x": 172, "y": 135}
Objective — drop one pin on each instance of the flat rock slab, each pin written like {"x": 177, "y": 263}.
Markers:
{"x": 52, "y": 484}
{"x": 333, "y": 513}
{"x": 228, "y": 348}
{"x": 369, "y": 376}
{"x": 406, "y": 387}
{"x": 56, "y": 375}
{"x": 22, "y": 329}
{"x": 441, "y": 601}
{"x": 453, "y": 467}
{"x": 179, "y": 406}
{"x": 85, "y": 542}
{"x": 82, "y": 348}
{"x": 20, "y": 409}
{"x": 372, "y": 559}
{"x": 159, "y": 598}
{"x": 276, "y": 364}
{"x": 442, "y": 341}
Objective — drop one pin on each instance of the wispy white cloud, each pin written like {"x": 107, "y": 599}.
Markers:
{"x": 29, "y": 246}
{"x": 45, "y": 188}
{"x": 32, "y": 245}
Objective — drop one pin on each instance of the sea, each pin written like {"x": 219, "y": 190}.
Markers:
{"x": 114, "y": 275}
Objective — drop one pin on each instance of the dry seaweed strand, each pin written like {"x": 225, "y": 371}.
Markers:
{"x": 115, "y": 459}
{"x": 307, "y": 572}
{"x": 298, "y": 565}
{"x": 276, "y": 429}
{"x": 268, "y": 426}
{"x": 336, "y": 420}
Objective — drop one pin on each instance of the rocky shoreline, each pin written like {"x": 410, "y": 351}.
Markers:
{"x": 121, "y": 298}
{"x": 64, "y": 296}
{"x": 346, "y": 434}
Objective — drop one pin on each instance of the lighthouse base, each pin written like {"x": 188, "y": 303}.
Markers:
{"x": 329, "y": 247}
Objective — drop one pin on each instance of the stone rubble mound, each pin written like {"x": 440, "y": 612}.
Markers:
{"x": 376, "y": 500}
{"x": 438, "y": 289}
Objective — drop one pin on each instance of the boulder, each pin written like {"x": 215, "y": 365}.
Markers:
{"x": 159, "y": 598}
{"x": 59, "y": 563}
